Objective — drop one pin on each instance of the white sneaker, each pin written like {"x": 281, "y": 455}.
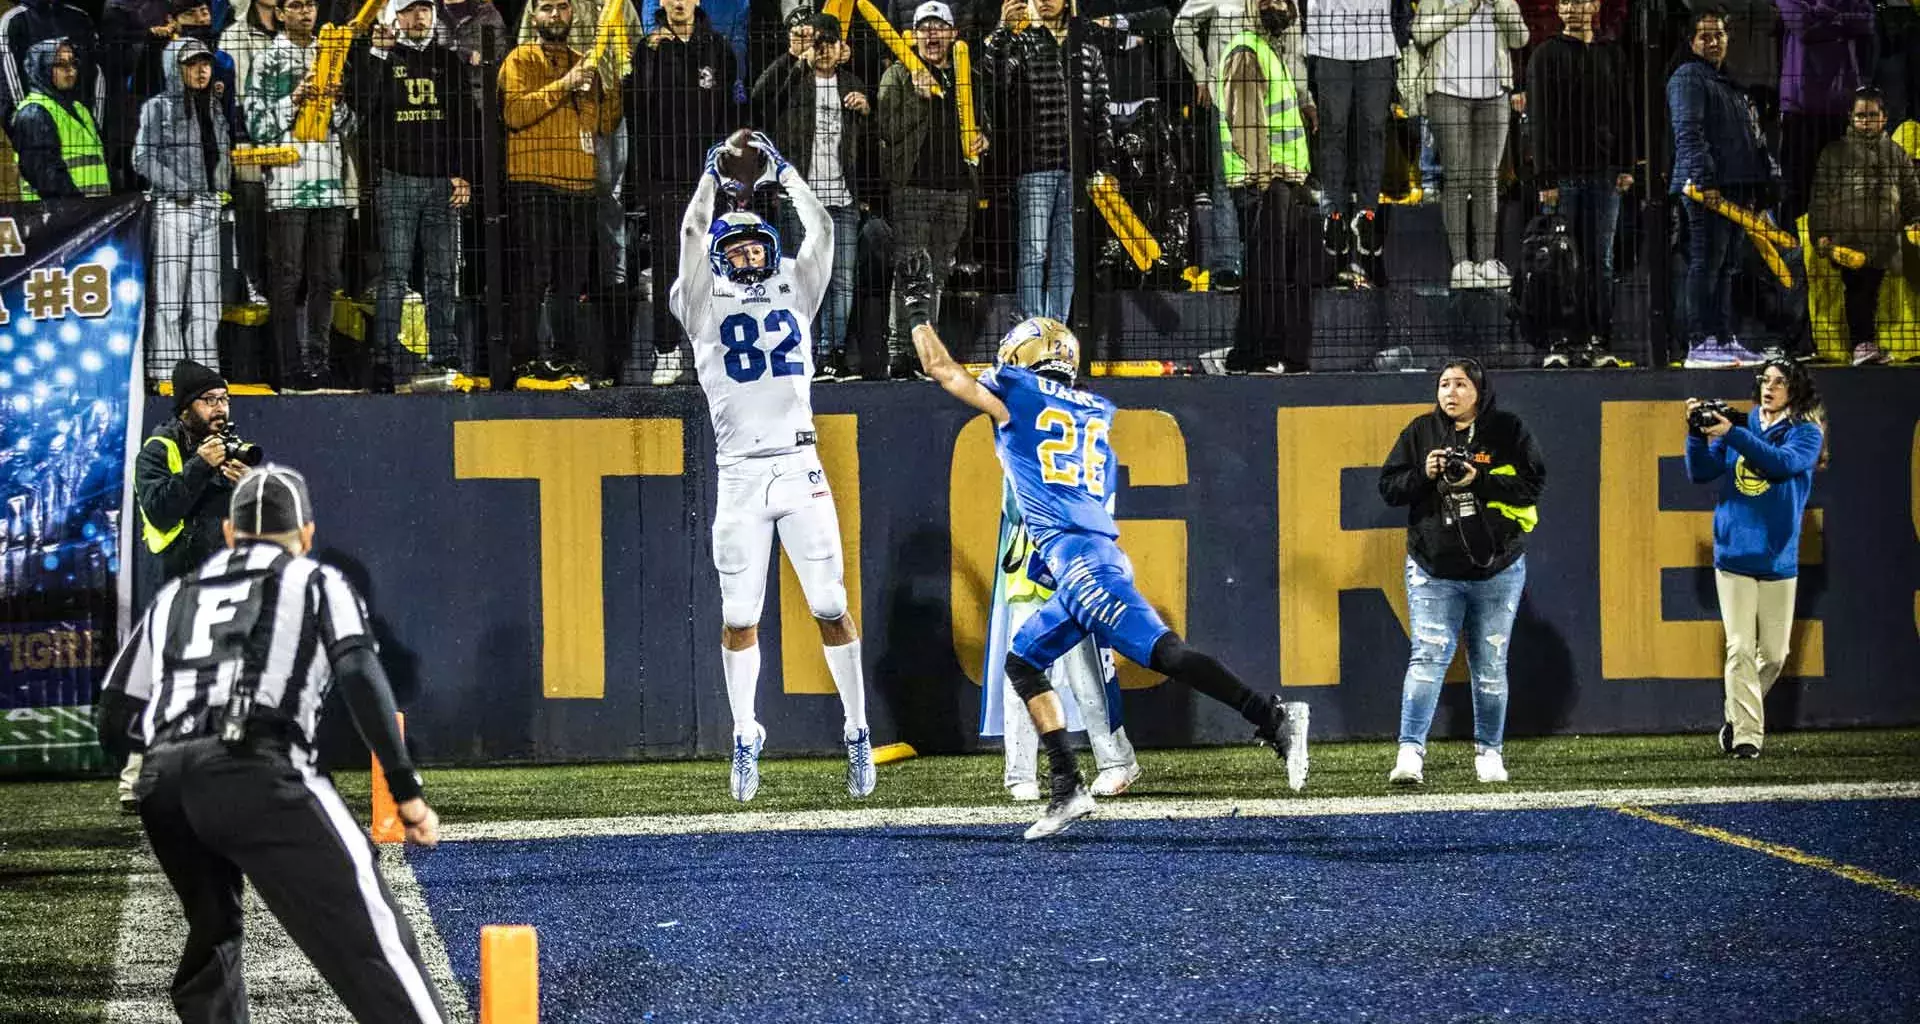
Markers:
{"x": 667, "y": 368}
{"x": 1111, "y": 781}
{"x": 861, "y": 776}
{"x": 1494, "y": 275}
{"x": 745, "y": 777}
{"x": 1407, "y": 768}
{"x": 1061, "y": 812}
{"x": 1466, "y": 274}
{"x": 1024, "y": 792}
{"x": 1490, "y": 766}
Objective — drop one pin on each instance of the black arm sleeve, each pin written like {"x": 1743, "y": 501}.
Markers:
{"x": 1403, "y": 479}
{"x": 113, "y": 720}
{"x": 363, "y": 685}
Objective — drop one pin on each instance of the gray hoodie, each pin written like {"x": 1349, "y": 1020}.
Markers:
{"x": 170, "y": 151}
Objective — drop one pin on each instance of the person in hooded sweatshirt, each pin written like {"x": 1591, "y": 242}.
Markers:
{"x": 181, "y": 150}
{"x": 413, "y": 90}
{"x": 61, "y": 155}
{"x": 1764, "y": 467}
{"x": 36, "y": 21}
{"x": 1469, "y": 476}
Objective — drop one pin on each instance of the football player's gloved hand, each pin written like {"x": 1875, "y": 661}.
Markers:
{"x": 777, "y": 165}
{"x": 913, "y": 275}
{"x": 712, "y": 165}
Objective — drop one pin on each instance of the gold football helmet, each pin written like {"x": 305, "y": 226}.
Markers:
{"x": 1043, "y": 345}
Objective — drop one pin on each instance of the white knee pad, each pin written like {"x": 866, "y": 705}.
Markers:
{"x": 828, "y": 601}
{"x": 743, "y": 577}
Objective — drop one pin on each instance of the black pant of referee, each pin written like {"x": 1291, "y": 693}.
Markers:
{"x": 214, "y": 813}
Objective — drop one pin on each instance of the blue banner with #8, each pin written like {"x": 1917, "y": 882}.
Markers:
{"x": 72, "y": 285}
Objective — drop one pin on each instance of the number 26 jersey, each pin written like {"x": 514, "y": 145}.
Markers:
{"x": 1055, "y": 449}
{"x": 753, "y": 352}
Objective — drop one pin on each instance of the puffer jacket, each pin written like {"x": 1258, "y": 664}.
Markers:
{"x": 1716, "y": 140}
{"x": 1865, "y": 191}
{"x": 1049, "y": 99}
{"x": 169, "y": 150}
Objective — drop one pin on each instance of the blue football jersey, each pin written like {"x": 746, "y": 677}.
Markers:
{"x": 1056, "y": 451}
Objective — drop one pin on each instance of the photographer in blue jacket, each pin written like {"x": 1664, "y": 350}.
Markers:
{"x": 1765, "y": 466}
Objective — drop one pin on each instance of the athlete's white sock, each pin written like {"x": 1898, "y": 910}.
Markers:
{"x": 844, "y": 664}
{"x": 742, "y": 670}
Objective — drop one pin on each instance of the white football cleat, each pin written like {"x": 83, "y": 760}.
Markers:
{"x": 1111, "y": 781}
{"x": 745, "y": 777}
{"x": 1407, "y": 767}
{"x": 1063, "y": 810}
{"x": 860, "y": 772}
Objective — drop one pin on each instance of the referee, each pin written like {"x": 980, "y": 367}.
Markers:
{"x": 222, "y": 681}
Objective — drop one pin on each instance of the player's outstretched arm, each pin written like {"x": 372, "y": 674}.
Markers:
{"x": 684, "y": 295}
{"x": 915, "y": 277}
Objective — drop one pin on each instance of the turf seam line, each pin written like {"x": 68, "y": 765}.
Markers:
{"x": 1135, "y": 809}
{"x": 1790, "y": 854}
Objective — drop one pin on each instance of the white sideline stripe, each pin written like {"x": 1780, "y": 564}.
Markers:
{"x": 1125, "y": 809}
{"x": 282, "y": 986}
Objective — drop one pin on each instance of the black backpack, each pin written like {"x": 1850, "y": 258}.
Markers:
{"x": 1546, "y": 284}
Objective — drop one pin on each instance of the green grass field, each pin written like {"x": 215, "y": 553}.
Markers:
{"x": 65, "y": 851}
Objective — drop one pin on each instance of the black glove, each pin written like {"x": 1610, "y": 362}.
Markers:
{"x": 913, "y": 275}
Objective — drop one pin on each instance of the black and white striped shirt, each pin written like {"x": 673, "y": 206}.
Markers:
{"x": 255, "y": 615}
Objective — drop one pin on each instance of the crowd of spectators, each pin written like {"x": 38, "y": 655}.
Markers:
{"x": 1256, "y": 146}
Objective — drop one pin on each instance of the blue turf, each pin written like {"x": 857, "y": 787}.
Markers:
{"x": 1557, "y": 915}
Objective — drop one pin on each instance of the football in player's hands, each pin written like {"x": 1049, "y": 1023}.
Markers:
{"x": 738, "y": 160}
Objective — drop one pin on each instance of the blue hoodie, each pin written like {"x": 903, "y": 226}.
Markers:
{"x": 1766, "y": 476}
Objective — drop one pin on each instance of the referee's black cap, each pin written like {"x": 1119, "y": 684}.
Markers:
{"x": 271, "y": 499}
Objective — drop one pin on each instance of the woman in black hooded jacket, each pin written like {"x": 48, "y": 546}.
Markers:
{"x": 1469, "y": 476}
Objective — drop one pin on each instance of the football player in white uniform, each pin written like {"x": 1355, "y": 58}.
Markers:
{"x": 748, "y": 314}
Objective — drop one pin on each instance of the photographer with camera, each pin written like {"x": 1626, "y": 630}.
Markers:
{"x": 1469, "y": 476}
{"x": 182, "y": 481}
{"x": 1765, "y": 462}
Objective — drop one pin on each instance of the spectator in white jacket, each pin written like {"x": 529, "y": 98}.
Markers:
{"x": 1467, "y": 80}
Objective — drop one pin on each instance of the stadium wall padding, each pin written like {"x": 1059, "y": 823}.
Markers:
{"x": 538, "y": 567}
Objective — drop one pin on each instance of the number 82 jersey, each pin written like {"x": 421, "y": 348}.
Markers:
{"x": 753, "y": 352}
{"x": 1056, "y": 450}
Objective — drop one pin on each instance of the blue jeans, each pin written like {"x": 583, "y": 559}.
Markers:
{"x": 1355, "y": 99}
{"x": 1439, "y": 610}
{"x": 1591, "y": 206}
{"x": 416, "y": 212}
{"x": 1045, "y": 283}
{"x": 1219, "y": 228}
{"x": 830, "y": 330}
{"x": 1711, "y": 261}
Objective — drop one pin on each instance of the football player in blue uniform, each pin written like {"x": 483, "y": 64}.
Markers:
{"x": 1052, "y": 439}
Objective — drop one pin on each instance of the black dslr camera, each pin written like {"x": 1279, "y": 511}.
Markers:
{"x": 242, "y": 451}
{"x": 1458, "y": 463}
{"x": 1701, "y": 416}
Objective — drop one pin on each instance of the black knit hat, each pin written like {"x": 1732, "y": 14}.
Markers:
{"x": 190, "y": 381}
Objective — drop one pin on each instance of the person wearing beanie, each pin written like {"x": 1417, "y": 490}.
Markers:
{"x": 226, "y": 718}
{"x": 182, "y": 480}
{"x": 181, "y": 151}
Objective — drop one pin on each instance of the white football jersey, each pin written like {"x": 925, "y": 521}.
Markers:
{"x": 753, "y": 351}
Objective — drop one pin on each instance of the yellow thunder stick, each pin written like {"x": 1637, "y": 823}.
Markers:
{"x": 1754, "y": 224}
{"x": 265, "y": 156}
{"x": 329, "y": 68}
{"x": 1126, "y": 225}
{"x": 613, "y": 22}
{"x": 842, "y": 11}
{"x": 1771, "y": 255}
{"x": 901, "y": 51}
{"x": 963, "y": 99}
{"x": 1852, "y": 259}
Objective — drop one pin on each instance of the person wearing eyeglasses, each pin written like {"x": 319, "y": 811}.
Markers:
{"x": 1764, "y": 467}
{"x": 54, "y": 132}
{"x": 1865, "y": 191}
